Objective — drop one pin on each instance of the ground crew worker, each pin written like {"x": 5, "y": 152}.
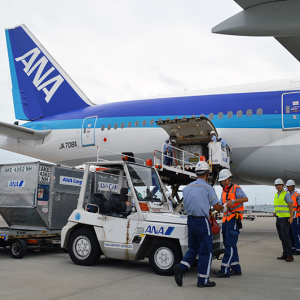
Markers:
{"x": 231, "y": 225}
{"x": 198, "y": 196}
{"x": 294, "y": 231}
{"x": 167, "y": 160}
{"x": 283, "y": 210}
{"x": 171, "y": 151}
{"x": 213, "y": 137}
{"x": 223, "y": 142}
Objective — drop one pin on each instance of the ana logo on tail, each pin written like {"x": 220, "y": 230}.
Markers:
{"x": 39, "y": 80}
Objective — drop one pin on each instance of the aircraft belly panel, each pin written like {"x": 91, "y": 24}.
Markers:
{"x": 254, "y": 167}
{"x": 266, "y": 164}
{"x": 292, "y": 162}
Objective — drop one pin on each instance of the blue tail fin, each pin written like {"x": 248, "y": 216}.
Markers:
{"x": 41, "y": 88}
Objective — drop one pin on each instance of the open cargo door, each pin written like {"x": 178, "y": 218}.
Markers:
{"x": 188, "y": 131}
{"x": 192, "y": 136}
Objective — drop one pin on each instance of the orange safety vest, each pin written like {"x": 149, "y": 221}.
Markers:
{"x": 236, "y": 208}
{"x": 296, "y": 207}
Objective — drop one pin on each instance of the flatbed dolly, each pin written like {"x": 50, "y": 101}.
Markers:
{"x": 19, "y": 240}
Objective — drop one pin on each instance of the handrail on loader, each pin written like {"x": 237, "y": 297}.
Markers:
{"x": 101, "y": 149}
{"x": 177, "y": 159}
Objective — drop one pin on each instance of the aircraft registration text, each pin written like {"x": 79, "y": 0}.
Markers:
{"x": 68, "y": 145}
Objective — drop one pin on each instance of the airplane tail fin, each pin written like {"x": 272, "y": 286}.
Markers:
{"x": 41, "y": 88}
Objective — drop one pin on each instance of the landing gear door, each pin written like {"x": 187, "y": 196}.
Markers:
{"x": 88, "y": 131}
{"x": 290, "y": 110}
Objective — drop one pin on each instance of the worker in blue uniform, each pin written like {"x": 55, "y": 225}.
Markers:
{"x": 167, "y": 160}
{"x": 198, "y": 196}
{"x": 171, "y": 146}
{"x": 223, "y": 142}
{"x": 213, "y": 137}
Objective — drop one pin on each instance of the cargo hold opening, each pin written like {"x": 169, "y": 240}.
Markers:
{"x": 192, "y": 138}
{"x": 190, "y": 134}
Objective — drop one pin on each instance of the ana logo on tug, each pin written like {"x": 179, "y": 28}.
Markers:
{"x": 39, "y": 79}
{"x": 160, "y": 230}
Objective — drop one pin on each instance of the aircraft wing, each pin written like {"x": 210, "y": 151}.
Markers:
{"x": 291, "y": 44}
{"x": 280, "y": 19}
{"x": 19, "y": 132}
{"x": 248, "y": 3}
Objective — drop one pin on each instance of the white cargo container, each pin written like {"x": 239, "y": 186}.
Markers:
{"x": 36, "y": 200}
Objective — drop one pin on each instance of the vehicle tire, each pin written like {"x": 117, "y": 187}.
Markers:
{"x": 163, "y": 256}
{"x": 84, "y": 247}
{"x": 18, "y": 248}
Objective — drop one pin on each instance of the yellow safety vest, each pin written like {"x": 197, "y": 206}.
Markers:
{"x": 281, "y": 208}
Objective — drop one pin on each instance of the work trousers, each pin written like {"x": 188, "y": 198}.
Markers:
{"x": 294, "y": 233}
{"x": 201, "y": 244}
{"x": 167, "y": 160}
{"x": 282, "y": 225}
{"x": 230, "y": 259}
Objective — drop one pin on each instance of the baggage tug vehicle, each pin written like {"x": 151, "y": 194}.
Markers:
{"x": 129, "y": 217}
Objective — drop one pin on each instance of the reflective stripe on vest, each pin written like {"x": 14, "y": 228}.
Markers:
{"x": 281, "y": 208}
{"x": 236, "y": 208}
{"x": 296, "y": 207}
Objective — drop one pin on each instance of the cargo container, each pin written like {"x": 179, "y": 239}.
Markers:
{"x": 36, "y": 200}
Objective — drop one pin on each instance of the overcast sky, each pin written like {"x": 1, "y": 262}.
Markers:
{"x": 135, "y": 49}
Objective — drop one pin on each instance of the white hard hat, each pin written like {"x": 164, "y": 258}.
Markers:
{"x": 224, "y": 174}
{"x": 167, "y": 140}
{"x": 278, "y": 181}
{"x": 202, "y": 167}
{"x": 173, "y": 141}
{"x": 290, "y": 183}
{"x": 212, "y": 132}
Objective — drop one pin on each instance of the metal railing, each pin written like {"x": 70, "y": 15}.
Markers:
{"x": 210, "y": 158}
{"x": 178, "y": 161}
{"x": 105, "y": 150}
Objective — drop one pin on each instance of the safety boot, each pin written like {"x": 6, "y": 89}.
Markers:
{"x": 232, "y": 273}
{"x": 220, "y": 274}
{"x": 209, "y": 284}
{"x": 179, "y": 273}
{"x": 283, "y": 257}
{"x": 289, "y": 258}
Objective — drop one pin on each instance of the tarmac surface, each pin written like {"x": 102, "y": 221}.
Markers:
{"x": 50, "y": 274}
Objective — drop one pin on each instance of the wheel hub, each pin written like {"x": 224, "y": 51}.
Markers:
{"x": 16, "y": 248}
{"x": 82, "y": 247}
{"x": 164, "y": 258}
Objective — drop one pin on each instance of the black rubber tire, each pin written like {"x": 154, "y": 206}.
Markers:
{"x": 163, "y": 256}
{"x": 18, "y": 248}
{"x": 84, "y": 248}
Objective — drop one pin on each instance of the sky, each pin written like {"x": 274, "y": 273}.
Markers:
{"x": 124, "y": 50}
